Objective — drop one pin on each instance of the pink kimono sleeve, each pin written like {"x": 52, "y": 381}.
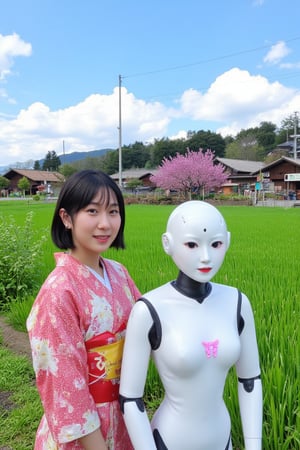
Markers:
{"x": 60, "y": 364}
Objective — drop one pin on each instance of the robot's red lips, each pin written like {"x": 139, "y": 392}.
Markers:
{"x": 205, "y": 269}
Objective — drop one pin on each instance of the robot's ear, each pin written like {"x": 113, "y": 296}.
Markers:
{"x": 228, "y": 239}
{"x": 167, "y": 243}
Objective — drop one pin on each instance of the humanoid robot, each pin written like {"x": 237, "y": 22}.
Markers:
{"x": 194, "y": 330}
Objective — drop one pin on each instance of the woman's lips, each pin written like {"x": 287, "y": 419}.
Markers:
{"x": 102, "y": 238}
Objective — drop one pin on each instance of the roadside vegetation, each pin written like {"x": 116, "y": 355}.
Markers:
{"x": 261, "y": 261}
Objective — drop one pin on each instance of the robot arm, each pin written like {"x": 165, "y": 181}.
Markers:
{"x": 250, "y": 401}
{"x": 135, "y": 363}
{"x": 250, "y": 386}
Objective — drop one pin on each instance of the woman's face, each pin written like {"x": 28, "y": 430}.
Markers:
{"x": 94, "y": 227}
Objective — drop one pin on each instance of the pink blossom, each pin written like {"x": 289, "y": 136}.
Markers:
{"x": 191, "y": 172}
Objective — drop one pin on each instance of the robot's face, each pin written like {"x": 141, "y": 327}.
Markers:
{"x": 197, "y": 240}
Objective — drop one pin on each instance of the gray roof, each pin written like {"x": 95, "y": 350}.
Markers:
{"x": 280, "y": 160}
{"x": 133, "y": 173}
{"x": 241, "y": 165}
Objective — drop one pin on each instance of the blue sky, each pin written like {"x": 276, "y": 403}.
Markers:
{"x": 184, "y": 65}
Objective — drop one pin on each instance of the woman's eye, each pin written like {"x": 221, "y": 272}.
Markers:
{"x": 113, "y": 212}
{"x": 191, "y": 245}
{"x": 217, "y": 244}
{"x": 92, "y": 211}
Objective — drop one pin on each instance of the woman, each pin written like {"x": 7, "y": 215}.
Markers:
{"x": 78, "y": 320}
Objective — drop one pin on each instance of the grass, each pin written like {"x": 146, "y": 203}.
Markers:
{"x": 20, "y": 405}
{"x": 262, "y": 261}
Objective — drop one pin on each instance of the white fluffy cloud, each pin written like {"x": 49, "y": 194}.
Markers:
{"x": 89, "y": 125}
{"x": 277, "y": 52}
{"x": 11, "y": 46}
{"x": 241, "y": 100}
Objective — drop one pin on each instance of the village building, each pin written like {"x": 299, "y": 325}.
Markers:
{"x": 48, "y": 183}
{"x": 242, "y": 175}
{"x": 282, "y": 177}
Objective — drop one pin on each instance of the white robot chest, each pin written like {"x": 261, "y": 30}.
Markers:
{"x": 198, "y": 336}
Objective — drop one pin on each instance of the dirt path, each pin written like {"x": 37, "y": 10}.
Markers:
{"x": 15, "y": 341}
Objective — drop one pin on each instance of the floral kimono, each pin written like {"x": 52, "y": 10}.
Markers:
{"x": 71, "y": 310}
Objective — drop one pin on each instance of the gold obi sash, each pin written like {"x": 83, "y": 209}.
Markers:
{"x": 104, "y": 354}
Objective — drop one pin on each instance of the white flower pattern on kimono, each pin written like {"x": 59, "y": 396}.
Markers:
{"x": 42, "y": 355}
{"x": 91, "y": 418}
{"x": 101, "y": 315}
{"x": 70, "y": 432}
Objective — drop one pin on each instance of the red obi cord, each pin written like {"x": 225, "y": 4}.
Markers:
{"x": 104, "y": 354}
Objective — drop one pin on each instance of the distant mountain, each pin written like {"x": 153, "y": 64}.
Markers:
{"x": 66, "y": 158}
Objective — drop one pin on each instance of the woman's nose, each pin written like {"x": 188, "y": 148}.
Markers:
{"x": 103, "y": 221}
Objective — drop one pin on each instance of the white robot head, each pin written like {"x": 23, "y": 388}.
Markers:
{"x": 197, "y": 239}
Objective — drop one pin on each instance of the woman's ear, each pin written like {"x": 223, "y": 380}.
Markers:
{"x": 167, "y": 243}
{"x": 65, "y": 218}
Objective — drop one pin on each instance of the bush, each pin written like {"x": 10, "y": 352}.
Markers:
{"x": 18, "y": 312}
{"x": 20, "y": 259}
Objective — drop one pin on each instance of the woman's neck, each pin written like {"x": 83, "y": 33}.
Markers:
{"x": 93, "y": 262}
{"x": 191, "y": 288}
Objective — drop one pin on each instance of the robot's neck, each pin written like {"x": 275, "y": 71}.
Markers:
{"x": 191, "y": 288}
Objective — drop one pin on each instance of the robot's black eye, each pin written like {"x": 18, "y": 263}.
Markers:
{"x": 191, "y": 244}
{"x": 217, "y": 244}
{"x": 204, "y": 229}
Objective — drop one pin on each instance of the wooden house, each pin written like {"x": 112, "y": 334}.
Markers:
{"x": 242, "y": 175}
{"x": 40, "y": 181}
{"x": 282, "y": 176}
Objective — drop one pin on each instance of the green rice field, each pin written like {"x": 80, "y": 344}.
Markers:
{"x": 262, "y": 261}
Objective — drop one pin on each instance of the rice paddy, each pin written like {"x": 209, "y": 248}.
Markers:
{"x": 262, "y": 261}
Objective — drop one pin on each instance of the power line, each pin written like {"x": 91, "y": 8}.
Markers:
{"x": 205, "y": 61}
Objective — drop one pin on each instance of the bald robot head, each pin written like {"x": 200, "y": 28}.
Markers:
{"x": 196, "y": 227}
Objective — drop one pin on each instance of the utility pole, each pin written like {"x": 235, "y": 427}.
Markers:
{"x": 295, "y": 136}
{"x": 120, "y": 134}
{"x": 63, "y": 142}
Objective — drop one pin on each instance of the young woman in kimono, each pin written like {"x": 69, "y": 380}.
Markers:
{"x": 77, "y": 323}
{"x": 194, "y": 330}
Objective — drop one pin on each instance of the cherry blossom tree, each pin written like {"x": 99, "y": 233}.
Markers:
{"x": 191, "y": 172}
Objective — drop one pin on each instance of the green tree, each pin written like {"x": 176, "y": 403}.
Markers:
{"x": 4, "y": 182}
{"x": 245, "y": 146}
{"x": 207, "y": 140}
{"x": 37, "y": 165}
{"x": 266, "y": 137}
{"x": 67, "y": 170}
{"x": 135, "y": 155}
{"x": 24, "y": 185}
{"x": 111, "y": 162}
{"x": 288, "y": 125}
{"x": 252, "y": 143}
{"x": 51, "y": 162}
{"x": 165, "y": 148}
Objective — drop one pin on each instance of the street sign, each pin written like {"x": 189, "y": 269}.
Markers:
{"x": 292, "y": 177}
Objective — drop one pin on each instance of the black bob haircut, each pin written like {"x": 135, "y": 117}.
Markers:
{"x": 78, "y": 192}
